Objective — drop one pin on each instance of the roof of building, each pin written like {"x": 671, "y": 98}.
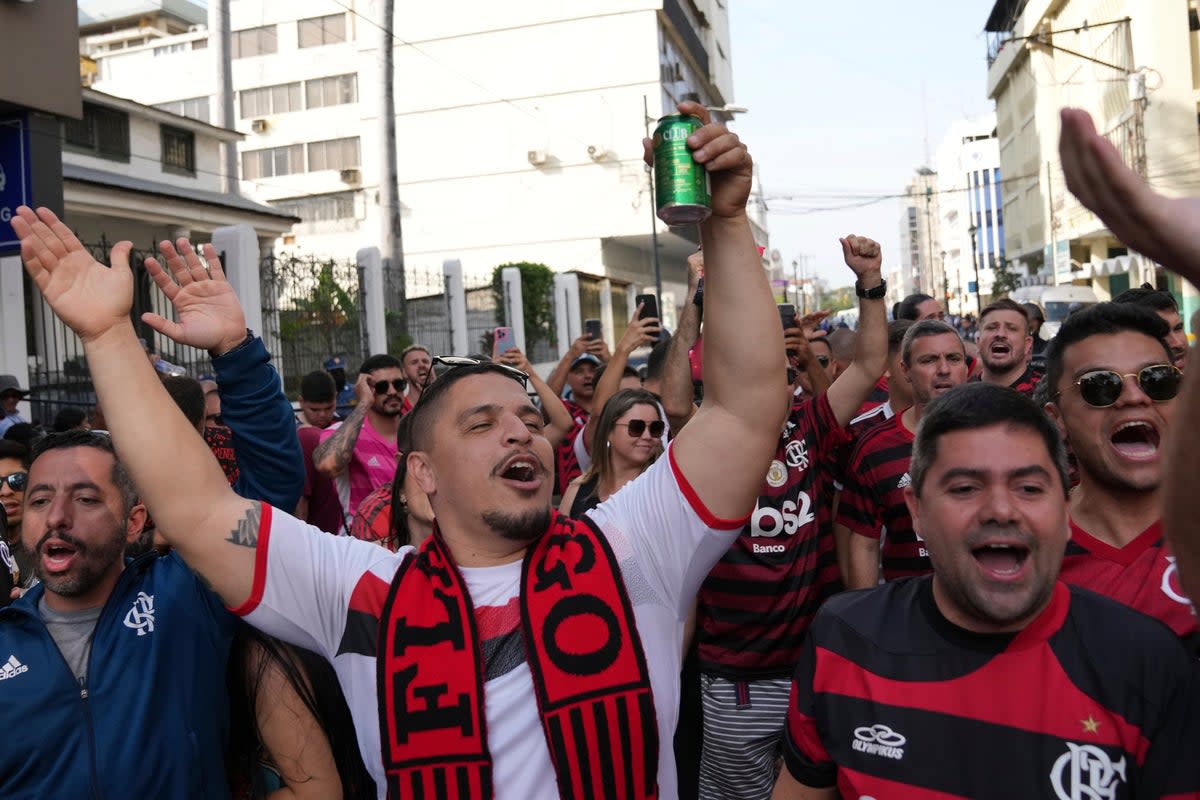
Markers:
{"x": 107, "y": 12}
{"x": 116, "y": 180}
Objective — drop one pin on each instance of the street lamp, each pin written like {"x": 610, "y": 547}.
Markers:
{"x": 975, "y": 263}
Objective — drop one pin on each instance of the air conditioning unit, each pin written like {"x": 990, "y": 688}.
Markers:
{"x": 597, "y": 152}
{"x": 259, "y": 125}
{"x": 351, "y": 175}
{"x": 537, "y": 157}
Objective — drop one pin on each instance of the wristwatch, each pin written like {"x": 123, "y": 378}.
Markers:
{"x": 874, "y": 293}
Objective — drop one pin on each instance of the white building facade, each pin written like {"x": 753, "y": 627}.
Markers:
{"x": 969, "y": 203}
{"x": 519, "y": 126}
{"x": 1135, "y": 66}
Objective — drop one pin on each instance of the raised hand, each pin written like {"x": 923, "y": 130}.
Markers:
{"x": 1167, "y": 229}
{"x": 513, "y": 357}
{"x": 639, "y": 333}
{"x": 89, "y": 297}
{"x": 721, "y": 152}
{"x": 210, "y": 316}
{"x": 809, "y": 322}
{"x": 862, "y": 255}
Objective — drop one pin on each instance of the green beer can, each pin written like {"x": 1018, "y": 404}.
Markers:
{"x": 681, "y": 185}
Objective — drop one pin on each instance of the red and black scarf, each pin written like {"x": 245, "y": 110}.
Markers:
{"x": 582, "y": 646}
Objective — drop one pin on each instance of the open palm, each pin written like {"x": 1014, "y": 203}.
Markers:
{"x": 208, "y": 311}
{"x": 86, "y": 295}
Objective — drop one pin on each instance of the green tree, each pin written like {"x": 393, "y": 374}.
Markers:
{"x": 1006, "y": 279}
{"x": 839, "y": 299}
{"x": 537, "y": 287}
{"x": 326, "y": 311}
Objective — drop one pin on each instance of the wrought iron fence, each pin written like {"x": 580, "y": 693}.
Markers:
{"x": 58, "y": 371}
{"x": 313, "y": 309}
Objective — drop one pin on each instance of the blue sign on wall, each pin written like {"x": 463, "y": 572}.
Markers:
{"x": 16, "y": 176}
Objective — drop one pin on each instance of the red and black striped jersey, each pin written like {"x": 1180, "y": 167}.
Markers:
{"x": 566, "y": 460}
{"x": 1141, "y": 575}
{"x": 878, "y": 396}
{"x": 1027, "y": 383}
{"x": 758, "y": 601}
{"x": 872, "y": 501}
{"x": 1090, "y": 700}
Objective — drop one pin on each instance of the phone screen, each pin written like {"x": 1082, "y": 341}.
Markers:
{"x": 592, "y": 328}
{"x": 787, "y": 315}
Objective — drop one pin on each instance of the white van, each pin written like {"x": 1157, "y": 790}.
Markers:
{"x": 1058, "y": 301}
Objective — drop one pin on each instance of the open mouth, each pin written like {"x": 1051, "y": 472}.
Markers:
{"x": 57, "y": 555}
{"x": 1137, "y": 440}
{"x": 1002, "y": 561}
{"x": 1000, "y": 349}
{"x": 524, "y": 470}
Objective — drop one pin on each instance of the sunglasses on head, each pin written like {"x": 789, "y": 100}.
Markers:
{"x": 398, "y": 384}
{"x": 504, "y": 369}
{"x": 1101, "y": 388}
{"x": 638, "y": 426}
{"x": 16, "y": 480}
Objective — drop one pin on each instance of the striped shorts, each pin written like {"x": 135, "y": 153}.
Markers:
{"x": 743, "y": 737}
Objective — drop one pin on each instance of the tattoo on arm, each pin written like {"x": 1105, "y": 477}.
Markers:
{"x": 246, "y": 532}
{"x": 341, "y": 444}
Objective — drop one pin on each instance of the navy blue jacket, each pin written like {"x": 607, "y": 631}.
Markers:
{"x": 270, "y": 465}
{"x": 151, "y": 720}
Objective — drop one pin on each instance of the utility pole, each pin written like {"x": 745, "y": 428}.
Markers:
{"x": 653, "y": 209}
{"x": 929, "y": 236}
{"x": 389, "y": 187}
{"x": 975, "y": 262}
{"x": 221, "y": 44}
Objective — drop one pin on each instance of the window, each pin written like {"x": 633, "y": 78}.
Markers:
{"x": 333, "y": 91}
{"x": 319, "y": 208}
{"x": 255, "y": 42}
{"x": 192, "y": 108}
{"x": 274, "y": 161}
{"x": 200, "y": 44}
{"x": 170, "y": 48}
{"x": 269, "y": 100}
{"x": 333, "y": 154}
{"x": 178, "y": 150}
{"x": 322, "y": 30}
{"x": 102, "y": 132}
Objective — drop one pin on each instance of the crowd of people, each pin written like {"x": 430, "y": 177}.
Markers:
{"x": 922, "y": 558}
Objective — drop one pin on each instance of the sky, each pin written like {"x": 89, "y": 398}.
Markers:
{"x": 834, "y": 92}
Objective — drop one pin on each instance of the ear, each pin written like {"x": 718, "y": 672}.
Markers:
{"x": 421, "y": 468}
{"x": 1055, "y": 413}
{"x": 135, "y": 522}
{"x": 914, "y": 508}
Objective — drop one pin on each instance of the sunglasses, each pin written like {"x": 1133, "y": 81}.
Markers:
{"x": 16, "y": 480}
{"x": 398, "y": 384}
{"x": 638, "y": 426}
{"x": 462, "y": 361}
{"x": 1102, "y": 387}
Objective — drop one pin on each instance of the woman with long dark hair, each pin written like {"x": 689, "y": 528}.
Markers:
{"x": 628, "y": 437}
{"x": 291, "y": 733}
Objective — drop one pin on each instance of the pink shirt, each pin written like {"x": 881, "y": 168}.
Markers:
{"x": 372, "y": 464}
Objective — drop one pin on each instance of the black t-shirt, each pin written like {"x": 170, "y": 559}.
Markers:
{"x": 1090, "y": 700}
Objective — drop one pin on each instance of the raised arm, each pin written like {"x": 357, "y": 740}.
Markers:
{"x": 639, "y": 333}
{"x": 726, "y": 449}
{"x": 852, "y": 387}
{"x": 332, "y": 456}
{"x": 557, "y": 379}
{"x": 678, "y": 394}
{"x": 270, "y": 465}
{"x": 181, "y": 483}
{"x": 558, "y": 419}
{"x": 1167, "y": 229}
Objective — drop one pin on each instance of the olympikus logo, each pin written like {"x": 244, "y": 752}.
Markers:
{"x": 12, "y": 668}
{"x": 905, "y": 481}
{"x": 879, "y": 740}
